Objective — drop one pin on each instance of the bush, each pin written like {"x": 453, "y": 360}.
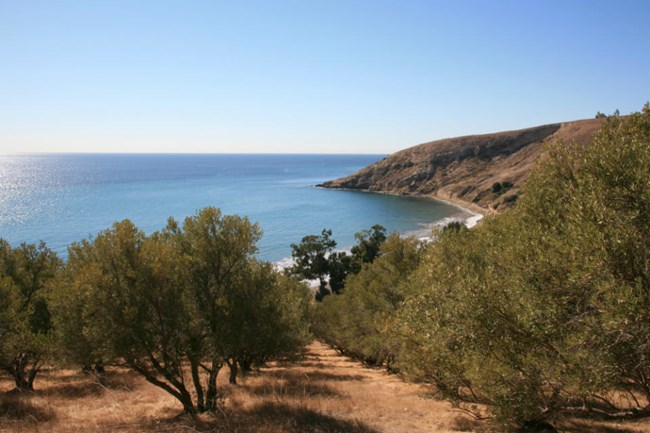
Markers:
{"x": 28, "y": 274}
{"x": 356, "y": 321}
{"x": 548, "y": 306}
{"x": 180, "y": 303}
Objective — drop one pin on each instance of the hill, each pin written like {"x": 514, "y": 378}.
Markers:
{"x": 482, "y": 172}
{"x": 320, "y": 392}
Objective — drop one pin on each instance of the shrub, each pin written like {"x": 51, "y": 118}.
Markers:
{"x": 182, "y": 302}
{"x": 356, "y": 321}
{"x": 547, "y": 306}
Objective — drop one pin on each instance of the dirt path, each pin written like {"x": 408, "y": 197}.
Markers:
{"x": 326, "y": 392}
{"x": 351, "y": 396}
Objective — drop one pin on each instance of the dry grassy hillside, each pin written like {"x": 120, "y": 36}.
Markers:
{"x": 323, "y": 392}
{"x": 464, "y": 169}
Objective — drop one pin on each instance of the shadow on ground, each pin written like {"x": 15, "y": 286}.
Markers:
{"x": 589, "y": 426}
{"x": 284, "y": 418}
{"x": 73, "y": 391}
{"x": 267, "y": 418}
{"x": 20, "y": 406}
{"x": 89, "y": 385}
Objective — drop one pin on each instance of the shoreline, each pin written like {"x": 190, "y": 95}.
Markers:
{"x": 473, "y": 215}
{"x": 465, "y": 205}
{"x": 476, "y": 212}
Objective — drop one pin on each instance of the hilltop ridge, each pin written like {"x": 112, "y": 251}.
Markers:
{"x": 480, "y": 172}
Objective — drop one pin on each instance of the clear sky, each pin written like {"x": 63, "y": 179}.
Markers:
{"x": 329, "y": 76}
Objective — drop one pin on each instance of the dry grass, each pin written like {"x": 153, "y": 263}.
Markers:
{"x": 323, "y": 392}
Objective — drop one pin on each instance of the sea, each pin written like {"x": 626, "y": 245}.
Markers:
{"x": 63, "y": 198}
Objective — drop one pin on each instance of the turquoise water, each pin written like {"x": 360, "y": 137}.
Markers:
{"x": 61, "y": 198}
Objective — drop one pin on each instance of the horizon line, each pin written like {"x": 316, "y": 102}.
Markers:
{"x": 187, "y": 153}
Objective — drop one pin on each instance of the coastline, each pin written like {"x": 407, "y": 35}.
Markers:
{"x": 465, "y": 205}
{"x": 476, "y": 212}
{"x": 473, "y": 215}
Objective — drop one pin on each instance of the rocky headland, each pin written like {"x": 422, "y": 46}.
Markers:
{"x": 480, "y": 172}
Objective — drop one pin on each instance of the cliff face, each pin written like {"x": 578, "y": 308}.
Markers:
{"x": 480, "y": 171}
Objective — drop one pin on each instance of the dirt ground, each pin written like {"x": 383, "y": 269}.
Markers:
{"x": 322, "y": 392}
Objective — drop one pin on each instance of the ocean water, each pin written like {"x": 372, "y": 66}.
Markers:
{"x": 62, "y": 198}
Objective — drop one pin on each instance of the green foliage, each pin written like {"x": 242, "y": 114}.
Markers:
{"x": 499, "y": 188}
{"x": 179, "y": 303}
{"x": 340, "y": 266}
{"x": 311, "y": 259}
{"x": 71, "y": 313}
{"x": 545, "y": 307}
{"x": 356, "y": 321}
{"x": 475, "y": 331}
{"x": 369, "y": 243}
{"x": 9, "y": 304}
{"x": 314, "y": 258}
{"x": 267, "y": 314}
{"x": 454, "y": 226}
{"x": 27, "y": 276}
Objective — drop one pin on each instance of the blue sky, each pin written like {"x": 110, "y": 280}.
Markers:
{"x": 308, "y": 76}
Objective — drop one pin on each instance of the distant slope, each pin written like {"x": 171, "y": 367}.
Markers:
{"x": 465, "y": 169}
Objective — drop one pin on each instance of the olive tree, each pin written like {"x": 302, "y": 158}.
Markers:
{"x": 355, "y": 321}
{"x": 267, "y": 317}
{"x": 178, "y": 304}
{"x": 27, "y": 275}
{"x": 544, "y": 309}
{"x": 314, "y": 258}
{"x": 369, "y": 242}
{"x": 311, "y": 259}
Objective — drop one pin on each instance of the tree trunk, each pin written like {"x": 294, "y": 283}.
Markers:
{"x": 211, "y": 394}
{"x": 23, "y": 379}
{"x": 188, "y": 405}
{"x": 322, "y": 290}
{"x": 30, "y": 378}
{"x": 196, "y": 378}
{"x": 245, "y": 364}
{"x": 22, "y": 384}
{"x": 184, "y": 397}
{"x": 174, "y": 387}
{"x": 232, "y": 364}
